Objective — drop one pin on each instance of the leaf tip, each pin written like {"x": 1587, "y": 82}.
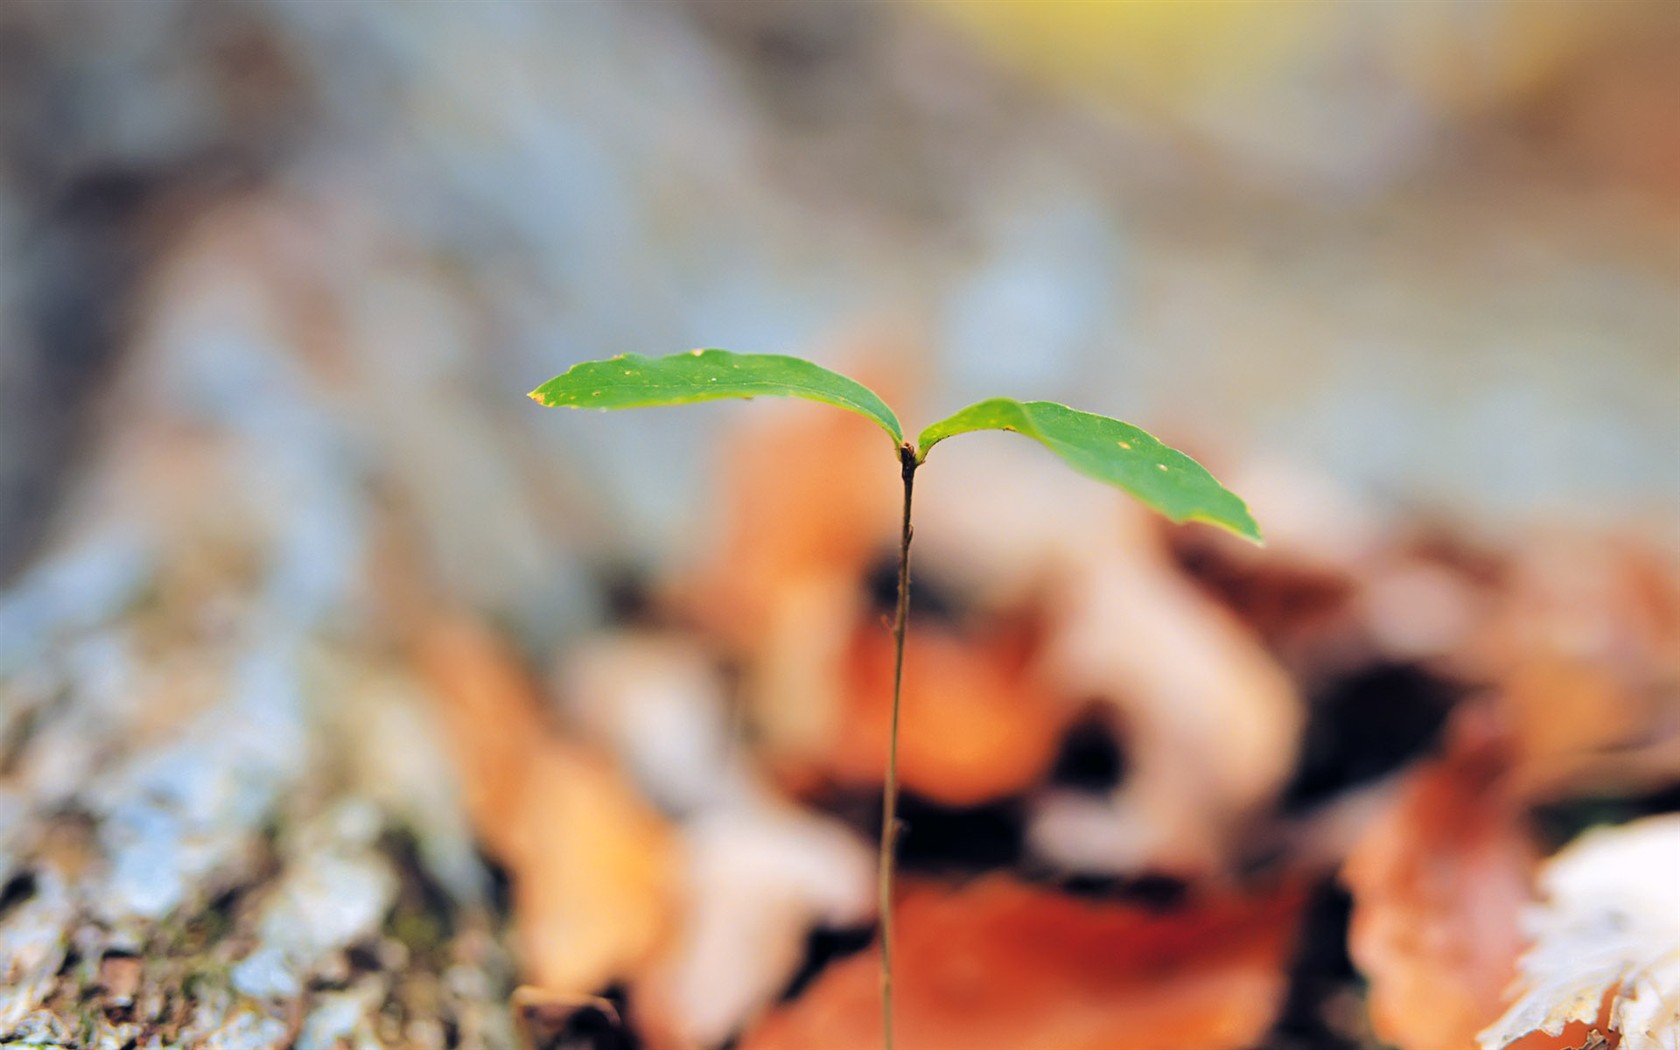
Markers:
{"x": 1249, "y": 530}
{"x": 1243, "y": 526}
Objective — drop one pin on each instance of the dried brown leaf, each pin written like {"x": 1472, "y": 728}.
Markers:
{"x": 1438, "y": 883}
{"x": 593, "y": 866}
{"x": 975, "y": 725}
{"x": 1001, "y": 965}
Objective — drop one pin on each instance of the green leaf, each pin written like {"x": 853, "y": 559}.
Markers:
{"x": 1162, "y": 477}
{"x": 633, "y": 381}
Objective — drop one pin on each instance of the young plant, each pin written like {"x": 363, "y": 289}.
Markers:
{"x": 1161, "y": 477}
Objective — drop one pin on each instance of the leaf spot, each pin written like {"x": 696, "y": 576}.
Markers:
{"x": 695, "y": 353}
{"x": 1127, "y": 445}
{"x": 1160, "y": 466}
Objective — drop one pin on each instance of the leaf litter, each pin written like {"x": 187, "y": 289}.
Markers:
{"x": 1205, "y": 662}
{"x": 674, "y": 807}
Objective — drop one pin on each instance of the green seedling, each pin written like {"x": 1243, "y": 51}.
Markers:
{"x": 1162, "y": 478}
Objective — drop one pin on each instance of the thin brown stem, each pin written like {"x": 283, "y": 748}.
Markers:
{"x": 889, "y": 790}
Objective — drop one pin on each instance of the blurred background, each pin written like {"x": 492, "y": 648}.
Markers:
{"x": 343, "y": 690}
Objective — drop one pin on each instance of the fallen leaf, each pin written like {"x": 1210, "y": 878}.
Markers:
{"x": 1584, "y": 642}
{"x": 1000, "y": 964}
{"x": 490, "y": 713}
{"x": 1605, "y": 949}
{"x": 1212, "y": 721}
{"x": 1567, "y": 716}
{"x": 594, "y": 868}
{"x": 1438, "y": 882}
{"x": 976, "y": 726}
{"x": 761, "y": 875}
{"x": 660, "y": 702}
